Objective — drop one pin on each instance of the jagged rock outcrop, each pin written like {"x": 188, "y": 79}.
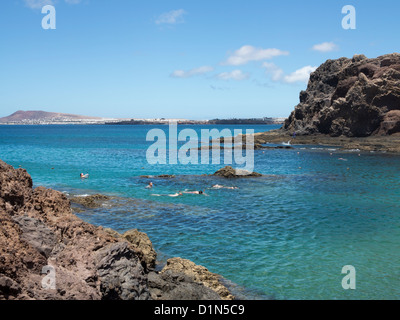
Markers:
{"x": 38, "y": 230}
{"x": 356, "y": 97}
{"x": 141, "y": 242}
{"x": 39, "y": 233}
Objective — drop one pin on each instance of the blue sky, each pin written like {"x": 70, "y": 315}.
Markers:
{"x": 179, "y": 59}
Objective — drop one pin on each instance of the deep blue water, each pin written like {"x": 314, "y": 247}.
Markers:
{"x": 283, "y": 236}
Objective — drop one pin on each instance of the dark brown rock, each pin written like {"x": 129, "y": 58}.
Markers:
{"x": 198, "y": 274}
{"x": 121, "y": 274}
{"x": 170, "y": 285}
{"x": 349, "y": 97}
{"x": 142, "y": 242}
{"x": 391, "y": 123}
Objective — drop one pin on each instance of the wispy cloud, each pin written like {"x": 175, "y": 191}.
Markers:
{"x": 237, "y": 75}
{"x": 325, "y": 47}
{"x": 38, "y": 4}
{"x": 248, "y": 53}
{"x": 171, "y": 17}
{"x": 276, "y": 73}
{"x": 299, "y": 76}
{"x": 191, "y": 73}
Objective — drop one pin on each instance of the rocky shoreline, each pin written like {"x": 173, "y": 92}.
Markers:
{"x": 39, "y": 232}
{"x": 373, "y": 143}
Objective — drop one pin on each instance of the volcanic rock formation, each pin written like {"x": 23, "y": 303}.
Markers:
{"x": 356, "y": 97}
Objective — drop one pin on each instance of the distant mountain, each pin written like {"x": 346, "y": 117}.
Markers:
{"x": 42, "y": 116}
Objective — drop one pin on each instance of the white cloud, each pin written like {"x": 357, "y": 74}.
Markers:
{"x": 171, "y": 17}
{"x": 277, "y": 74}
{"x": 325, "y": 47}
{"x": 301, "y": 75}
{"x": 191, "y": 73}
{"x": 37, "y": 4}
{"x": 248, "y": 53}
{"x": 237, "y": 75}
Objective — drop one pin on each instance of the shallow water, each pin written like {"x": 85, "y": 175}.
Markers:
{"x": 283, "y": 236}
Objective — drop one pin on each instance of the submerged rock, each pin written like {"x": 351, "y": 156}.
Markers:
{"x": 92, "y": 201}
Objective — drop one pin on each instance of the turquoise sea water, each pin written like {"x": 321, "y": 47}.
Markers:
{"x": 283, "y": 236}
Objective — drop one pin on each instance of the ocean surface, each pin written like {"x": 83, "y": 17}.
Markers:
{"x": 283, "y": 236}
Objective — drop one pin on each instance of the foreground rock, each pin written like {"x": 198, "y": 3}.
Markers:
{"x": 356, "y": 97}
{"x": 39, "y": 234}
{"x": 229, "y": 172}
{"x": 170, "y": 285}
{"x": 199, "y": 274}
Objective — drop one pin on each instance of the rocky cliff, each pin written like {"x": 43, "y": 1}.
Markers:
{"x": 46, "y": 252}
{"x": 356, "y": 97}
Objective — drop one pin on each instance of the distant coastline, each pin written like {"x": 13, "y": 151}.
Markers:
{"x": 51, "y": 118}
{"x": 252, "y": 121}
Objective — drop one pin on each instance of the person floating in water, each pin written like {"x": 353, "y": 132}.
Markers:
{"x": 168, "y": 195}
{"x": 84, "y": 176}
{"x": 217, "y": 186}
{"x": 150, "y": 186}
{"x": 194, "y": 192}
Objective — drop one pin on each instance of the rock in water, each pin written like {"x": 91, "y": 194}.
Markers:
{"x": 350, "y": 97}
{"x": 229, "y": 172}
{"x": 92, "y": 201}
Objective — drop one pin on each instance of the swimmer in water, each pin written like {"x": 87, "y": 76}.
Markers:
{"x": 175, "y": 195}
{"x": 150, "y": 186}
{"x": 168, "y": 195}
{"x": 217, "y": 186}
{"x": 84, "y": 176}
{"x": 194, "y": 192}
